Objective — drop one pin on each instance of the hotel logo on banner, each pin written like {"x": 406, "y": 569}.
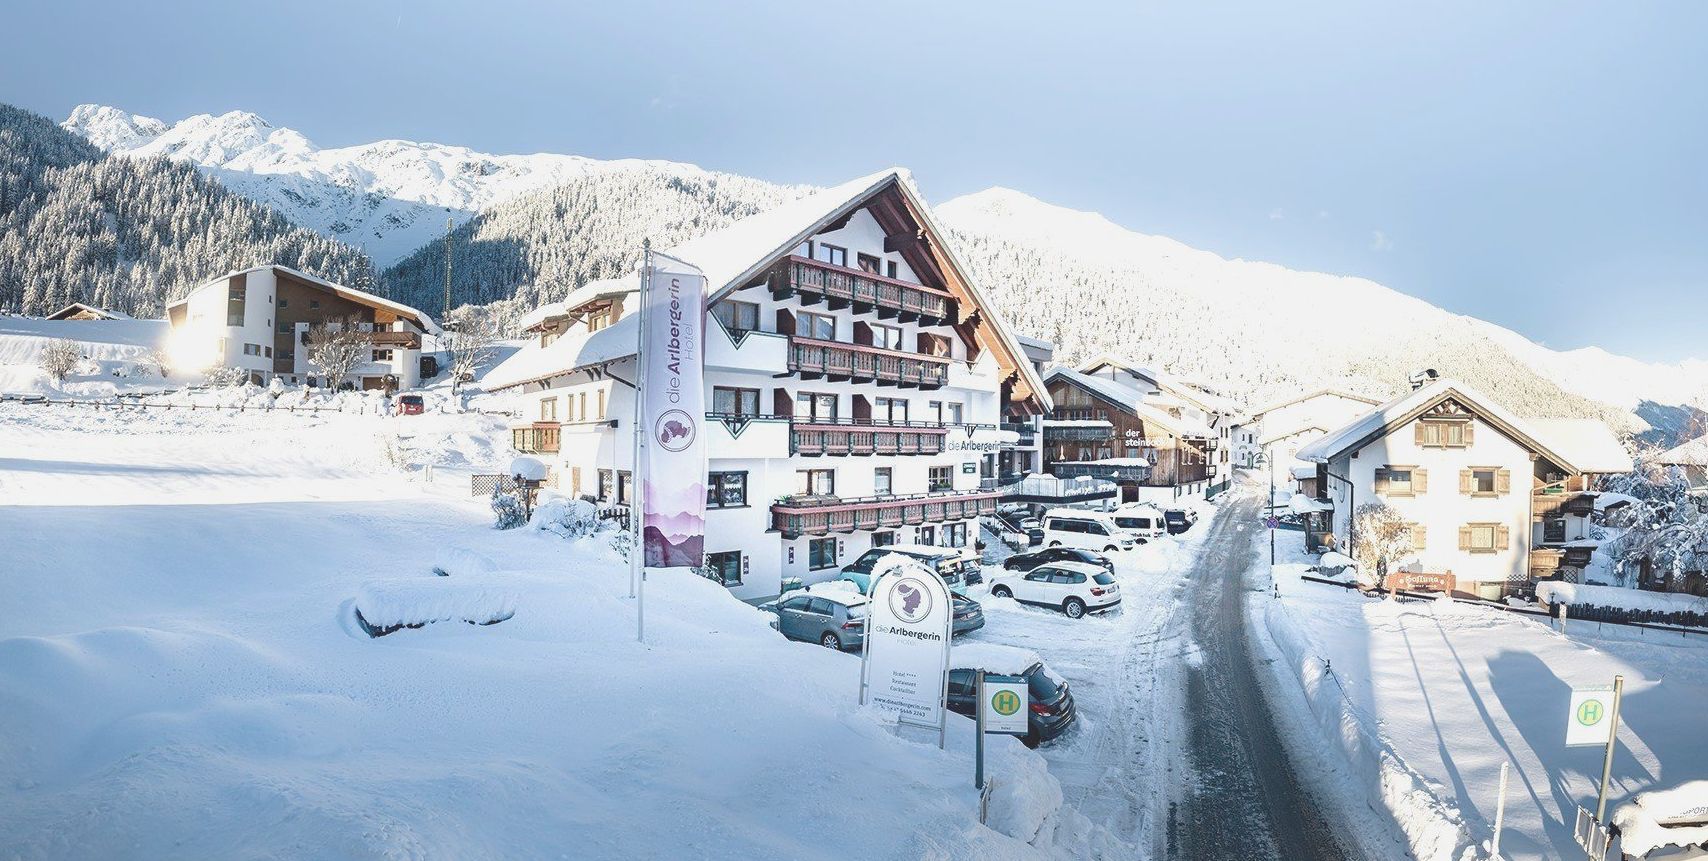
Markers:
{"x": 673, "y": 395}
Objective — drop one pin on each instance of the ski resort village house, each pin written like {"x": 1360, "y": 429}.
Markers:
{"x": 857, "y": 384}
{"x": 1194, "y": 401}
{"x": 259, "y": 320}
{"x": 1109, "y": 429}
{"x": 1493, "y": 500}
{"x": 1283, "y": 426}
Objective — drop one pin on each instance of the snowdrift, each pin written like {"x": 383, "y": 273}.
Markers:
{"x": 385, "y": 606}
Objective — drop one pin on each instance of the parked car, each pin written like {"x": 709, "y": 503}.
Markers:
{"x": 411, "y": 405}
{"x": 1143, "y": 521}
{"x": 1049, "y": 703}
{"x": 1179, "y": 520}
{"x": 1073, "y": 587}
{"x": 948, "y": 562}
{"x": 833, "y": 618}
{"x": 1089, "y": 530}
{"x": 968, "y": 616}
{"x": 1028, "y": 561}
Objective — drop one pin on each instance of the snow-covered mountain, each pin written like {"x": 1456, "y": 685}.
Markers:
{"x": 535, "y": 226}
{"x": 388, "y": 197}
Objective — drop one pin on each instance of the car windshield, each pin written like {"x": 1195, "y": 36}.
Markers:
{"x": 1103, "y": 579}
{"x": 1043, "y": 687}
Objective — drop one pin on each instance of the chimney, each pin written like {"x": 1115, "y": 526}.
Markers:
{"x": 1422, "y": 378}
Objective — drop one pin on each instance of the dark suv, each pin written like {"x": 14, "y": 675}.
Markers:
{"x": 1177, "y": 521}
{"x": 1050, "y": 710}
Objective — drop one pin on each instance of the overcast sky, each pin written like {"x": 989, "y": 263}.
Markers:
{"x": 1538, "y": 164}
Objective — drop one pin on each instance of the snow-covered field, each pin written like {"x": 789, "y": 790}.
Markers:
{"x": 181, "y": 675}
{"x": 116, "y": 355}
{"x": 1429, "y": 697}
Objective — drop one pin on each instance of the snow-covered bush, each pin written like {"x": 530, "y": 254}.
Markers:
{"x": 1381, "y": 537}
{"x": 59, "y": 357}
{"x": 567, "y": 518}
{"x": 222, "y": 377}
{"x": 508, "y": 508}
{"x": 1666, "y": 531}
{"x": 454, "y": 561}
{"x": 276, "y": 387}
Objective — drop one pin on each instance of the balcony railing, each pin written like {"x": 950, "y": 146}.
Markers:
{"x": 536, "y": 438}
{"x": 406, "y": 340}
{"x": 1130, "y": 472}
{"x": 820, "y": 515}
{"x": 841, "y": 286}
{"x": 812, "y": 359}
{"x": 816, "y": 438}
{"x": 1027, "y": 432}
{"x": 1078, "y": 433}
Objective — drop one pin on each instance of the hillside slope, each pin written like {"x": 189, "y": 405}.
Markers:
{"x": 130, "y": 234}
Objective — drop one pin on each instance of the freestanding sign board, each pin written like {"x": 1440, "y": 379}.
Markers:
{"x": 905, "y": 665}
{"x": 1590, "y": 722}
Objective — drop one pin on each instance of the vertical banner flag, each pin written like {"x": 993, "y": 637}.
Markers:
{"x": 673, "y": 412}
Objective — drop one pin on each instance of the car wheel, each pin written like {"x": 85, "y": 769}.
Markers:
{"x": 1001, "y": 592}
{"x": 1110, "y": 549}
{"x": 1074, "y": 608}
{"x": 829, "y": 641}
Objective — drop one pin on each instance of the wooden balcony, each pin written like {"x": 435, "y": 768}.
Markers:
{"x": 839, "y": 287}
{"x": 821, "y": 515}
{"x": 536, "y": 438}
{"x": 862, "y": 438}
{"x": 406, "y": 340}
{"x": 1552, "y": 500}
{"x": 812, "y": 359}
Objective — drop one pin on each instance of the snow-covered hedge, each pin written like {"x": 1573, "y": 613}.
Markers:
{"x": 1620, "y": 604}
{"x": 387, "y": 605}
{"x": 566, "y": 517}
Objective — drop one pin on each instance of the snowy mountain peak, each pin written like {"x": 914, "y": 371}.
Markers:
{"x": 111, "y": 128}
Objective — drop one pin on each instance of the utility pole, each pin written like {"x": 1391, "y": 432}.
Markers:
{"x": 445, "y": 311}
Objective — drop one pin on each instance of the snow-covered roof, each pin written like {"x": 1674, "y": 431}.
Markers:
{"x": 1305, "y": 396}
{"x": 993, "y": 658}
{"x": 602, "y": 288}
{"x": 1657, "y": 819}
{"x": 1305, "y": 471}
{"x": 1559, "y": 443}
{"x": 77, "y": 307}
{"x": 1688, "y": 453}
{"x": 1133, "y": 401}
{"x": 1035, "y": 343}
{"x": 350, "y": 293}
{"x": 1307, "y": 428}
{"x": 569, "y": 353}
{"x": 1076, "y": 423}
{"x": 1588, "y": 443}
{"x": 1177, "y": 386}
{"x": 1302, "y": 504}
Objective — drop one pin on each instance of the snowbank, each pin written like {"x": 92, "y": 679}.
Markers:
{"x": 1432, "y": 825}
{"x": 1559, "y": 592}
{"x": 1676, "y": 817}
{"x": 455, "y": 561}
{"x": 411, "y": 603}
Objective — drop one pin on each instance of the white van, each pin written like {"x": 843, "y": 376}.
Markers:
{"x": 1142, "y": 520}
{"x": 1086, "y": 530}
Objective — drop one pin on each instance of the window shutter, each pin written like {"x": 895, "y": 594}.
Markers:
{"x": 1417, "y": 432}
{"x": 1419, "y": 536}
{"x": 1381, "y": 480}
{"x": 1464, "y": 538}
{"x": 1419, "y": 481}
{"x": 1503, "y": 481}
{"x": 1503, "y": 537}
{"x": 1469, "y": 426}
{"x": 1465, "y": 479}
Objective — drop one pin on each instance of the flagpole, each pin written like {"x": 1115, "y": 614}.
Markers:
{"x": 637, "y": 483}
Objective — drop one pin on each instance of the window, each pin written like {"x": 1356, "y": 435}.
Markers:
{"x": 735, "y": 402}
{"x": 547, "y": 337}
{"x": 886, "y": 337}
{"x": 833, "y": 255}
{"x": 1482, "y": 481}
{"x": 883, "y": 539}
{"x": 868, "y": 263}
{"x": 890, "y": 410}
{"x": 726, "y": 490}
{"x": 601, "y": 318}
{"x": 548, "y": 409}
{"x": 736, "y": 316}
{"x": 1482, "y": 537}
{"x": 284, "y": 328}
{"x": 1448, "y": 434}
{"x": 940, "y": 478}
{"x": 890, "y": 269}
{"x": 607, "y": 485}
{"x": 815, "y": 406}
{"x": 235, "y": 298}
{"x": 1399, "y": 482}
{"x": 267, "y": 351}
{"x": 821, "y": 553}
{"x": 251, "y": 349}
{"x": 934, "y": 409}
{"x": 955, "y": 413}
{"x": 314, "y": 303}
{"x": 582, "y": 401}
{"x": 819, "y": 326}
{"x": 1485, "y": 481}
{"x": 955, "y": 535}
{"x": 382, "y": 355}
{"x": 927, "y": 535}
{"x": 284, "y": 303}
{"x": 815, "y": 482}
{"x": 881, "y": 481}
{"x": 724, "y": 567}
{"x": 601, "y": 396}
{"x": 624, "y": 480}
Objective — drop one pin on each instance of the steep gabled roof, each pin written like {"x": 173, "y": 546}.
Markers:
{"x": 1688, "y": 453}
{"x": 1132, "y": 400}
{"x": 1180, "y": 388}
{"x": 1305, "y": 396}
{"x": 1558, "y": 444}
{"x": 360, "y": 297}
{"x": 79, "y": 307}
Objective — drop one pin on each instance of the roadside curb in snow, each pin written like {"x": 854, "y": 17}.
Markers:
{"x": 1431, "y": 824}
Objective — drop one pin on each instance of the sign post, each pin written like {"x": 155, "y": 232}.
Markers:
{"x": 1001, "y": 711}
{"x": 904, "y": 667}
{"x": 1612, "y": 740}
{"x": 1594, "y": 721}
